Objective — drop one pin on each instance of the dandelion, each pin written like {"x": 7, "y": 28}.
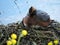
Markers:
{"x": 50, "y": 43}
{"x": 13, "y": 41}
{"x": 13, "y": 36}
{"x": 9, "y": 42}
{"x": 56, "y": 41}
{"x": 24, "y": 32}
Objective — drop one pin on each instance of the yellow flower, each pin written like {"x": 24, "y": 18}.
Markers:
{"x": 13, "y": 41}
{"x": 56, "y": 41}
{"x": 50, "y": 43}
{"x": 13, "y": 36}
{"x": 9, "y": 42}
{"x": 24, "y": 32}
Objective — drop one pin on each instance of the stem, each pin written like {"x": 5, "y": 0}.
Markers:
{"x": 55, "y": 44}
{"x": 19, "y": 39}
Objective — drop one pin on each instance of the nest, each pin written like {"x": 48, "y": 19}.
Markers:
{"x": 41, "y": 37}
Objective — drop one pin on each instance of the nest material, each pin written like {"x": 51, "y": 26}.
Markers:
{"x": 41, "y": 37}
